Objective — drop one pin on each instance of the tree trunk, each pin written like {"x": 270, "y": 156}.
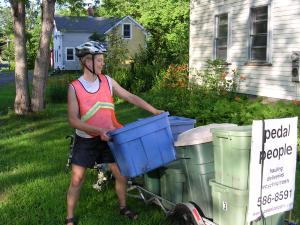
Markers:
{"x": 22, "y": 100}
{"x": 41, "y": 65}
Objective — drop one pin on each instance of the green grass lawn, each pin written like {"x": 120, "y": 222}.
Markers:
{"x": 33, "y": 181}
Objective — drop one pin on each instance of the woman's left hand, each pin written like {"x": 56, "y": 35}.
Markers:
{"x": 158, "y": 111}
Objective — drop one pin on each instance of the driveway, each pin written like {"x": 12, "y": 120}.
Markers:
{"x": 9, "y": 77}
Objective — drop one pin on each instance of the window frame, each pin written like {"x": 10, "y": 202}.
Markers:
{"x": 73, "y": 50}
{"x": 130, "y": 30}
{"x": 268, "y": 35}
{"x": 219, "y": 13}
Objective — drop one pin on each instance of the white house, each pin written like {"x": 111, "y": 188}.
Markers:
{"x": 256, "y": 37}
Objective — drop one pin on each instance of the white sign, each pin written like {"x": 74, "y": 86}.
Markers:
{"x": 273, "y": 154}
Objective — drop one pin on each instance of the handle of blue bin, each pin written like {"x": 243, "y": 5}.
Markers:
{"x": 110, "y": 136}
{"x": 155, "y": 115}
{"x": 182, "y": 158}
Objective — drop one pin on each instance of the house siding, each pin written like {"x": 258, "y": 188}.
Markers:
{"x": 137, "y": 40}
{"x": 273, "y": 80}
{"x": 71, "y": 40}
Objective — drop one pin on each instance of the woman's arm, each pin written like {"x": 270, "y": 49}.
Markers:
{"x": 74, "y": 119}
{"x": 133, "y": 99}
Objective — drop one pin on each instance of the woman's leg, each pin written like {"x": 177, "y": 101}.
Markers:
{"x": 120, "y": 185}
{"x": 77, "y": 179}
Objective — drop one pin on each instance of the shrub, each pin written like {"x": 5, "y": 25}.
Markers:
{"x": 215, "y": 100}
{"x": 123, "y": 77}
{"x": 217, "y": 79}
{"x": 57, "y": 87}
{"x": 176, "y": 76}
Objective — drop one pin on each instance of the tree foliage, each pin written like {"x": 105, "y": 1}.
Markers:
{"x": 74, "y": 7}
{"x": 33, "y": 30}
{"x": 167, "y": 22}
{"x": 6, "y": 35}
{"x": 117, "y": 53}
{"x": 6, "y": 23}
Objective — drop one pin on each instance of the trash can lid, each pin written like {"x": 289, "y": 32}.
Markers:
{"x": 200, "y": 134}
{"x": 239, "y": 131}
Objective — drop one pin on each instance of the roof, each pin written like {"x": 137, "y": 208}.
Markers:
{"x": 85, "y": 24}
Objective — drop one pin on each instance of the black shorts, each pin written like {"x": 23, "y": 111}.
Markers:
{"x": 88, "y": 151}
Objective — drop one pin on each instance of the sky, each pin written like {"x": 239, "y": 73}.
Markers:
{"x": 4, "y": 3}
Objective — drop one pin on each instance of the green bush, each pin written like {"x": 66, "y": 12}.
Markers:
{"x": 216, "y": 78}
{"x": 206, "y": 108}
{"x": 57, "y": 87}
{"x": 140, "y": 76}
{"x": 123, "y": 77}
{"x": 215, "y": 100}
{"x": 144, "y": 77}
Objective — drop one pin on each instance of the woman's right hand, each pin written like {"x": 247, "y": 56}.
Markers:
{"x": 103, "y": 134}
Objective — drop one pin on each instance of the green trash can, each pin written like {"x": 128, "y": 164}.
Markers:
{"x": 152, "y": 181}
{"x": 194, "y": 148}
{"x": 232, "y": 145}
{"x": 230, "y": 207}
{"x": 152, "y": 178}
{"x": 172, "y": 183}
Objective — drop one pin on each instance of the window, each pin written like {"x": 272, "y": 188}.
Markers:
{"x": 127, "y": 31}
{"x": 221, "y": 37}
{"x": 56, "y": 56}
{"x": 70, "y": 54}
{"x": 259, "y": 34}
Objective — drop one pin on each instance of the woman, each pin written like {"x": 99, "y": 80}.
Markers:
{"x": 91, "y": 113}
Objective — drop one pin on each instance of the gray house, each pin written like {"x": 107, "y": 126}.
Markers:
{"x": 69, "y": 32}
{"x": 259, "y": 38}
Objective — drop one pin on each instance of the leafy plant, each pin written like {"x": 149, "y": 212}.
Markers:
{"x": 117, "y": 54}
{"x": 57, "y": 87}
{"x": 176, "y": 76}
{"x": 217, "y": 79}
{"x": 123, "y": 77}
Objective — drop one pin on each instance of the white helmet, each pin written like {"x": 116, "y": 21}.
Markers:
{"x": 90, "y": 47}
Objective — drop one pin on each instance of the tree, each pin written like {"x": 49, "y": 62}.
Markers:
{"x": 22, "y": 100}
{"x": 120, "y": 8}
{"x": 167, "y": 22}
{"x": 42, "y": 61}
{"x": 75, "y": 7}
{"x": 33, "y": 30}
{"x": 117, "y": 53}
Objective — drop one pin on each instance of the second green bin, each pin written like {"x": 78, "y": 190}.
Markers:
{"x": 232, "y": 156}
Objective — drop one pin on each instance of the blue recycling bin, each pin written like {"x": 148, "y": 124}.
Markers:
{"x": 143, "y": 145}
{"x": 180, "y": 124}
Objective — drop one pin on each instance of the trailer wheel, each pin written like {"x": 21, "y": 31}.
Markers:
{"x": 186, "y": 214}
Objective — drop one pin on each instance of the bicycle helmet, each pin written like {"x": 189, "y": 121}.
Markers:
{"x": 90, "y": 47}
